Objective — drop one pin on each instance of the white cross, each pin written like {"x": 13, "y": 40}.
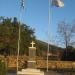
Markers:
{"x": 32, "y": 43}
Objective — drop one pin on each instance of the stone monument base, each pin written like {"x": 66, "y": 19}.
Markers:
{"x": 30, "y": 71}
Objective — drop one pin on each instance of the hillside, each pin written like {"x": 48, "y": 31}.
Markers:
{"x": 42, "y": 48}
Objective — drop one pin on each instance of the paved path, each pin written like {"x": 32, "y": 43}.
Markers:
{"x": 46, "y": 73}
{"x": 49, "y": 73}
{"x": 52, "y": 73}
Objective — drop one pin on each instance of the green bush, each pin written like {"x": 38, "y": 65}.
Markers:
{"x": 2, "y": 68}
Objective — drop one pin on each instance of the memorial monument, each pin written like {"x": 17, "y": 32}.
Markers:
{"x": 32, "y": 69}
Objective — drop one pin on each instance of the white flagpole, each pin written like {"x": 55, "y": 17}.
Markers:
{"x": 19, "y": 33}
{"x": 48, "y": 32}
{"x": 58, "y": 4}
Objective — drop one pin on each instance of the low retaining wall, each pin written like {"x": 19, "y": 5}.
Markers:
{"x": 55, "y": 64}
{"x": 11, "y": 62}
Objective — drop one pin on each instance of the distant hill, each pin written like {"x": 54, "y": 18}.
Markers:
{"x": 55, "y": 52}
{"x": 42, "y": 48}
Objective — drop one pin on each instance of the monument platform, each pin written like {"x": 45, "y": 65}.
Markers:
{"x": 30, "y": 71}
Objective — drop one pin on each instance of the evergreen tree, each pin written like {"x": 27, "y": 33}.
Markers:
{"x": 9, "y": 36}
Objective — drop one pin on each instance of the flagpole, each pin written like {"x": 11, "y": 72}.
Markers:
{"x": 49, "y": 2}
{"x": 19, "y": 35}
{"x": 56, "y": 3}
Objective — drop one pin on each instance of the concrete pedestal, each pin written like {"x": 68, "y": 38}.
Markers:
{"x": 32, "y": 64}
{"x": 32, "y": 58}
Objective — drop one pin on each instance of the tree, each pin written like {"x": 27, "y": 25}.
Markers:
{"x": 70, "y": 54}
{"x": 9, "y": 36}
{"x": 67, "y": 33}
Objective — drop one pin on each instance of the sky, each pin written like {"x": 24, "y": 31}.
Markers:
{"x": 35, "y": 15}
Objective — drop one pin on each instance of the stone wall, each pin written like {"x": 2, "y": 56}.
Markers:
{"x": 55, "y": 64}
{"x": 11, "y": 62}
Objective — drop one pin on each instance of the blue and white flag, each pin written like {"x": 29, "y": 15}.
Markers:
{"x": 57, "y": 3}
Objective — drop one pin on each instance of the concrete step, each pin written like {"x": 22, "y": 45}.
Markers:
{"x": 30, "y": 72}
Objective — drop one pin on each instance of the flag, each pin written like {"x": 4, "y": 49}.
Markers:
{"x": 57, "y": 3}
{"x": 22, "y": 4}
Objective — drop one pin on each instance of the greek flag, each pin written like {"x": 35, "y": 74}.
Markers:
{"x": 57, "y": 3}
{"x": 22, "y": 4}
